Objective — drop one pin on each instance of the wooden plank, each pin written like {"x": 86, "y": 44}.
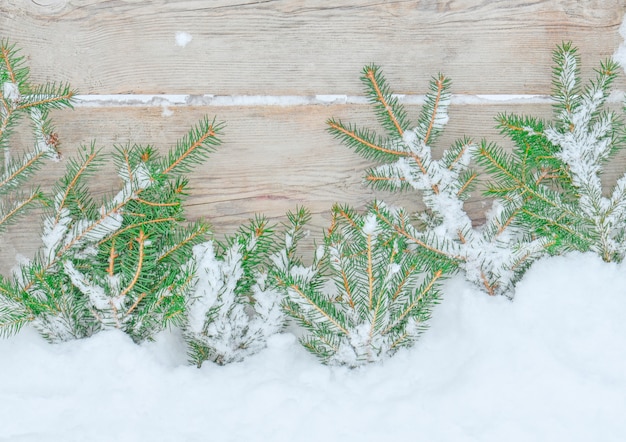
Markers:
{"x": 272, "y": 160}
{"x": 305, "y": 47}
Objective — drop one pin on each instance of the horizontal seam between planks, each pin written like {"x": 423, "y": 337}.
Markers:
{"x": 156, "y": 100}
{"x": 180, "y": 100}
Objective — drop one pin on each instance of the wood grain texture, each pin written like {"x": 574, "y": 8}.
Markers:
{"x": 273, "y": 159}
{"x": 276, "y": 158}
{"x": 304, "y": 47}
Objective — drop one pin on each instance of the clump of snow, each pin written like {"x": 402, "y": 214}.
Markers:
{"x": 371, "y": 225}
{"x": 54, "y": 233}
{"x": 548, "y": 366}
{"x": 209, "y": 272}
{"x": 331, "y": 99}
{"x": 183, "y": 38}
{"x": 620, "y": 54}
{"x": 10, "y": 91}
{"x": 219, "y": 319}
{"x": 95, "y": 293}
{"x": 319, "y": 253}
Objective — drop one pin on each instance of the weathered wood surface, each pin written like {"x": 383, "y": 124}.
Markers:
{"x": 304, "y": 47}
{"x": 276, "y": 158}
{"x": 272, "y": 160}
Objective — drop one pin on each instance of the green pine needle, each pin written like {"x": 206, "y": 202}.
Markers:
{"x": 391, "y": 114}
{"x": 366, "y": 294}
{"x": 193, "y": 148}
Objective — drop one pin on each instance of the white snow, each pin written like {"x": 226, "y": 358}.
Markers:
{"x": 95, "y": 293}
{"x": 548, "y": 366}
{"x": 177, "y": 100}
{"x": 54, "y": 232}
{"x": 208, "y": 270}
{"x": 183, "y": 39}
{"x": 371, "y": 225}
{"x": 94, "y": 231}
{"x": 10, "y": 91}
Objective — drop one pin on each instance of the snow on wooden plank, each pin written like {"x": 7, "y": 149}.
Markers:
{"x": 304, "y": 47}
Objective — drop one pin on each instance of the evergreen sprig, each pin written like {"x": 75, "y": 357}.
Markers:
{"x": 119, "y": 262}
{"x": 20, "y": 98}
{"x": 366, "y": 293}
{"x": 562, "y": 161}
{"x": 494, "y": 256}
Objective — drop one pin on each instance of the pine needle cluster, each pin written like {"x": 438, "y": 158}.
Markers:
{"x": 368, "y": 291}
{"x": 233, "y": 308}
{"x": 553, "y": 175}
{"x": 130, "y": 260}
{"x": 493, "y": 256}
{"x": 118, "y": 262}
{"x": 19, "y": 99}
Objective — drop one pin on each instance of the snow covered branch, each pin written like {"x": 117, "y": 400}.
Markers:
{"x": 560, "y": 163}
{"x": 494, "y": 256}
{"x": 232, "y": 307}
{"x": 366, "y": 293}
{"x": 118, "y": 263}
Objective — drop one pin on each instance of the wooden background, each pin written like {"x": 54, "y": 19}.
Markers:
{"x": 275, "y": 157}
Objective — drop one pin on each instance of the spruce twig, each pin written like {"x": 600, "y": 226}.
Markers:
{"x": 366, "y": 293}
{"x": 562, "y": 161}
{"x": 233, "y": 308}
{"x": 121, "y": 262}
{"x": 19, "y": 98}
{"x": 493, "y": 257}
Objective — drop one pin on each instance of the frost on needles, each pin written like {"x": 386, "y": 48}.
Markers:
{"x": 115, "y": 263}
{"x": 553, "y": 174}
{"x": 367, "y": 293}
{"x": 493, "y": 256}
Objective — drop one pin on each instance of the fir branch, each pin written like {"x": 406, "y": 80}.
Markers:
{"x": 447, "y": 232}
{"x": 418, "y": 297}
{"x": 14, "y": 69}
{"x": 138, "y": 225}
{"x": 562, "y": 161}
{"x": 402, "y": 226}
{"x": 183, "y": 239}
{"x": 375, "y": 276}
{"x": 48, "y": 96}
{"x": 365, "y": 142}
{"x": 141, "y": 241}
{"x": 232, "y": 305}
{"x": 69, "y": 190}
{"x": 434, "y": 115}
{"x": 11, "y": 210}
{"x": 323, "y": 310}
{"x": 13, "y": 314}
{"x": 120, "y": 263}
{"x": 19, "y": 170}
{"x": 566, "y": 79}
{"x": 12, "y": 320}
{"x": 192, "y": 148}
{"x": 18, "y": 98}
{"x": 391, "y": 114}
